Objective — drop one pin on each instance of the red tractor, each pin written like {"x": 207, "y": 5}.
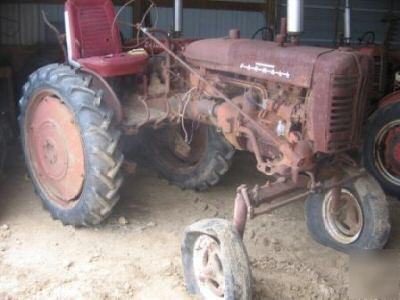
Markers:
{"x": 381, "y": 150}
{"x": 298, "y": 109}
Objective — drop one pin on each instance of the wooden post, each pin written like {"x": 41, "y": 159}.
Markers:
{"x": 270, "y": 14}
{"x": 336, "y": 23}
{"x": 137, "y": 11}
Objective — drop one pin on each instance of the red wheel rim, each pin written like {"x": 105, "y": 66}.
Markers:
{"x": 208, "y": 268}
{"x": 387, "y": 152}
{"x": 392, "y": 153}
{"x": 342, "y": 215}
{"x": 55, "y": 148}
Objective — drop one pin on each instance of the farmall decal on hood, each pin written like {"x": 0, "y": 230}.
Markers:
{"x": 264, "y": 69}
{"x": 260, "y": 59}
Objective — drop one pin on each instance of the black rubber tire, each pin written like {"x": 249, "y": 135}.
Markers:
{"x": 376, "y": 122}
{"x": 103, "y": 158}
{"x": 375, "y": 210}
{"x": 235, "y": 262}
{"x": 215, "y": 162}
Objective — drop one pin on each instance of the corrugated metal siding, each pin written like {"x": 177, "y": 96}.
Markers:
{"x": 366, "y": 15}
{"x": 202, "y": 23}
{"x": 22, "y": 24}
{"x": 28, "y": 27}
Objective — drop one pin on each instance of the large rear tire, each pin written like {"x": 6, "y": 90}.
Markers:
{"x": 381, "y": 151}
{"x": 197, "y": 165}
{"x": 71, "y": 146}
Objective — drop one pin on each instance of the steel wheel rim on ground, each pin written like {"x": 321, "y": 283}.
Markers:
{"x": 333, "y": 216}
{"x": 387, "y": 151}
{"x": 55, "y": 148}
{"x": 208, "y": 268}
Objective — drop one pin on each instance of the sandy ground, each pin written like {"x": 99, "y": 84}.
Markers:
{"x": 41, "y": 258}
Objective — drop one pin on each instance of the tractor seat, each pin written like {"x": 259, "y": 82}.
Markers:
{"x": 94, "y": 42}
{"x": 111, "y": 65}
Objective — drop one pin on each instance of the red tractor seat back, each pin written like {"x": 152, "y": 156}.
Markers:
{"x": 95, "y": 43}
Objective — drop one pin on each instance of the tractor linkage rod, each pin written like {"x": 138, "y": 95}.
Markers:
{"x": 272, "y": 194}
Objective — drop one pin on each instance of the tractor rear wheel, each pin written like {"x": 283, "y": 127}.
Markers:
{"x": 381, "y": 153}
{"x": 70, "y": 145}
{"x": 198, "y": 164}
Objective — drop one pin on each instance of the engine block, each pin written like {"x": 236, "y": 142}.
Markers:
{"x": 311, "y": 99}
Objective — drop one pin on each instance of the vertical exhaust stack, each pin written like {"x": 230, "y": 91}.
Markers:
{"x": 178, "y": 17}
{"x": 347, "y": 23}
{"x": 295, "y": 19}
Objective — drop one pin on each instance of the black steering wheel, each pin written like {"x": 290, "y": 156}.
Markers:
{"x": 262, "y": 29}
{"x": 367, "y": 38}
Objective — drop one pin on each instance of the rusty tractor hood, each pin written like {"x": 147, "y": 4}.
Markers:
{"x": 261, "y": 59}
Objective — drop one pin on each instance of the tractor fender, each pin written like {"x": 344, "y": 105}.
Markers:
{"x": 390, "y": 99}
{"x": 110, "y": 97}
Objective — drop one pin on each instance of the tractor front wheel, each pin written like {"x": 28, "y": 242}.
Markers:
{"x": 70, "y": 145}
{"x": 356, "y": 219}
{"x": 215, "y": 261}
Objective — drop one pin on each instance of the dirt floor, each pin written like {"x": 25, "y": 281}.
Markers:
{"x": 136, "y": 253}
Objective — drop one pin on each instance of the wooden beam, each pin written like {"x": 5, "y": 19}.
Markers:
{"x": 199, "y": 4}
{"x": 270, "y": 13}
{"x": 336, "y": 23}
{"x": 137, "y": 8}
{"x": 219, "y": 5}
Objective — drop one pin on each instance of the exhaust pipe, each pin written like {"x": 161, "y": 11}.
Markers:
{"x": 295, "y": 17}
{"x": 178, "y": 17}
{"x": 347, "y": 23}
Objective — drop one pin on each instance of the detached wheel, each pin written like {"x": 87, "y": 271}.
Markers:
{"x": 70, "y": 146}
{"x": 198, "y": 164}
{"x": 215, "y": 261}
{"x": 381, "y": 153}
{"x": 358, "y": 219}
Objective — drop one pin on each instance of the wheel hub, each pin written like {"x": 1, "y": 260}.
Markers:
{"x": 343, "y": 216}
{"x": 392, "y": 153}
{"x": 56, "y": 149}
{"x": 52, "y": 151}
{"x": 387, "y": 152}
{"x": 208, "y": 268}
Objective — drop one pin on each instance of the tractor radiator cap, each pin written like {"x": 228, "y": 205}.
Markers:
{"x": 234, "y": 34}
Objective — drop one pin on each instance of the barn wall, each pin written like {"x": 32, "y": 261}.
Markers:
{"x": 21, "y": 24}
{"x": 366, "y": 15}
{"x": 211, "y": 23}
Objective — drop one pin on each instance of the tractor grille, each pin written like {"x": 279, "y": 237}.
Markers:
{"x": 377, "y": 75}
{"x": 342, "y": 112}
